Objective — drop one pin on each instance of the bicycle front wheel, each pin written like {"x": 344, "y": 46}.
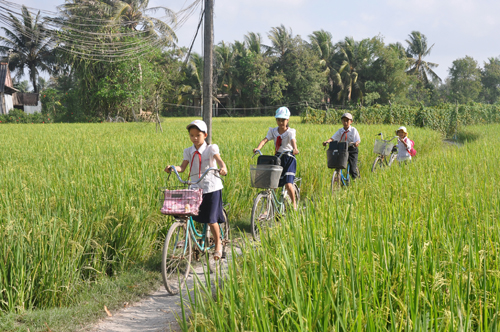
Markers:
{"x": 336, "y": 181}
{"x": 393, "y": 158}
{"x": 378, "y": 164}
{"x": 176, "y": 258}
{"x": 262, "y": 214}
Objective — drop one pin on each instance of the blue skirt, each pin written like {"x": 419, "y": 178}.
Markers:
{"x": 211, "y": 209}
{"x": 289, "y": 165}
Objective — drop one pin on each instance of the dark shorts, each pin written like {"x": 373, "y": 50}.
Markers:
{"x": 289, "y": 165}
{"x": 211, "y": 209}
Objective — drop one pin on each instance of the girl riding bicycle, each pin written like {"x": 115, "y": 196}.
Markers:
{"x": 200, "y": 157}
{"x": 284, "y": 141}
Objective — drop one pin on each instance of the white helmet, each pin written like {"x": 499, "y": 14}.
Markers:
{"x": 282, "y": 113}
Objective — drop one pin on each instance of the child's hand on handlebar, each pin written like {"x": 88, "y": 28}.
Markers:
{"x": 168, "y": 169}
{"x": 223, "y": 171}
{"x": 295, "y": 151}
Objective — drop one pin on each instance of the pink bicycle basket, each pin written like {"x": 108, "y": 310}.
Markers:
{"x": 182, "y": 202}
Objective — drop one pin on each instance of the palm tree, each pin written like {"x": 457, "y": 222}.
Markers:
{"x": 254, "y": 42}
{"x": 321, "y": 43}
{"x": 416, "y": 51}
{"x": 134, "y": 15}
{"x": 281, "y": 40}
{"x": 29, "y": 41}
{"x": 352, "y": 57}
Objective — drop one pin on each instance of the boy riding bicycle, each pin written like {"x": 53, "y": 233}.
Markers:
{"x": 348, "y": 134}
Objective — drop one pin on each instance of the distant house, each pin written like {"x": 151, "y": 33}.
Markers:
{"x": 6, "y": 89}
{"x": 28, "y": 102}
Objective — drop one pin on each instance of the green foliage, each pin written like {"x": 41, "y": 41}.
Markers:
{"x": 445, "y": 118}
{"x": 491, "y": 80}
{"x": 18, "y": 116}
{"x": 465, "y": 79}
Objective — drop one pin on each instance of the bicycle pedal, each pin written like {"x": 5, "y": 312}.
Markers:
{"x": 223, "y": 256}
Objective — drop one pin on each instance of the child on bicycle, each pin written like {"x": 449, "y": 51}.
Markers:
{"x": 284, "y": 141}
{"x": 404, "y": 144}
{"x": 201, "y": 156}
{"x": 348, "y": 134}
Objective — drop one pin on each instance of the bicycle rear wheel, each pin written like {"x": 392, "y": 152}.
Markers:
{"x": 378, "y": 164}
{"x": 262, "y": 214}
{"x": 176, "y": 257}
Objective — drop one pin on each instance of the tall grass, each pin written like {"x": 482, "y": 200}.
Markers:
{"x": 79, "y": 201}
{"x": 413, "y": 248}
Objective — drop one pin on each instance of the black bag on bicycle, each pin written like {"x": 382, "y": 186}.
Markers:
{"x": 337, "y": 155}
{"x": 269, "y": 160}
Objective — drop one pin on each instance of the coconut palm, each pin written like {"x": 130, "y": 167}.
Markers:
{"x": 416, "y": 51}
{"x": 321, "y": 43}
{"x": 281, "y": 41}
{"x": 134, "y": 15}
{"x": 351, "y": 58}
{"x": 254, "y": 42}
{"x": 29, "y": 42}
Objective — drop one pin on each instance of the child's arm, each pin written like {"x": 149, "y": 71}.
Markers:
{"x": 327, "y": 141}
{"x": 294, "y": 146}
{"x": 221, "y": 164}
{"x": 180, "y": 168}
{"x": 261, "y": 144}
{"x": 357, "y": 143}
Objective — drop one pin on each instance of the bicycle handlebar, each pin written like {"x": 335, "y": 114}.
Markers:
{"x": 172, "y": 167}
{"x": 284, "y": 152}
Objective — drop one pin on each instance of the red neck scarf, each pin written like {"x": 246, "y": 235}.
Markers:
{"x": 191, "y": 166}
{"x": 345, "y": 133}
{"x": 278, "y": 144}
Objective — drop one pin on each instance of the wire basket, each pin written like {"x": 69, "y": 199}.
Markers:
{"x": 265, "y": 176}
{"x": 383, "y": 147}
{"x": 181, "y": 201}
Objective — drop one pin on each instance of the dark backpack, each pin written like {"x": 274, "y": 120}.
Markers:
{"x": 269, "y": 160}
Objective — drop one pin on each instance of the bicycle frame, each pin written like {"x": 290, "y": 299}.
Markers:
{"x": 345, "y": 179}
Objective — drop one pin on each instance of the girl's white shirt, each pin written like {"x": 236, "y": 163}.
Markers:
{"x": 211, "y": 182}
{"x": 403, "y": 151}
{"x": 286, "y": 138}
{"x": 350, "y": 135}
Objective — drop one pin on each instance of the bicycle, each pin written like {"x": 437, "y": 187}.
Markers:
{"x": 342, "y": 176}
{"x": 387, "y": 152}
{"x": 115, "y": 119}
{"x": 184, "y": 242}
{"x": 267, "y": 205}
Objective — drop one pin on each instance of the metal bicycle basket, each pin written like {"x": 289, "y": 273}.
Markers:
{"x": 265, "y": 176}
{"x": 382, "y": 147}
{"x": 181, "y": 201}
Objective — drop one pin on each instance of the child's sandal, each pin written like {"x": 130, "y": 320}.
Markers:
{"x": 217, "y": 255}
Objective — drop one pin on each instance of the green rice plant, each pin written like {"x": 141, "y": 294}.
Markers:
{"x": 413, "y": 248}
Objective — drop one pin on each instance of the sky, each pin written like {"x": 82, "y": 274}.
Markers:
{"x": 456, "y": 27}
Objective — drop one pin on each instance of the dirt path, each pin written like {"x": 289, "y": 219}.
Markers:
{"x": 154, "y": 313}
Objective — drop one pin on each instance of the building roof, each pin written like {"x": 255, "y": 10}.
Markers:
{"x": 25, "y": 99}
{"x": 5, "y": 79}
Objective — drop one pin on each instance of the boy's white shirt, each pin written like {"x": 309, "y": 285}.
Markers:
{"x": 211, "y": 182}
{"x": 286, "y": 138}
{"x": 403, "y": 151}
{"x": 352, "y": 135}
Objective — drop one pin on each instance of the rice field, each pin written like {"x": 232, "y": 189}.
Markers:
{"x": 411, "y": 248}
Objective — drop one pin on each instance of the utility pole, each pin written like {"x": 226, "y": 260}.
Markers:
{"x": 207, "y": 66}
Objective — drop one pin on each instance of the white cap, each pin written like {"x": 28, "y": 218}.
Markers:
{"x": 201, "y": 125}
{"x": 403, "y": 128}
{"x": 282, "y": 113}
{"x": 347, "y": 115}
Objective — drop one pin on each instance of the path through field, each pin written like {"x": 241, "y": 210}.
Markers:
{"x": 154, "y": 313}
